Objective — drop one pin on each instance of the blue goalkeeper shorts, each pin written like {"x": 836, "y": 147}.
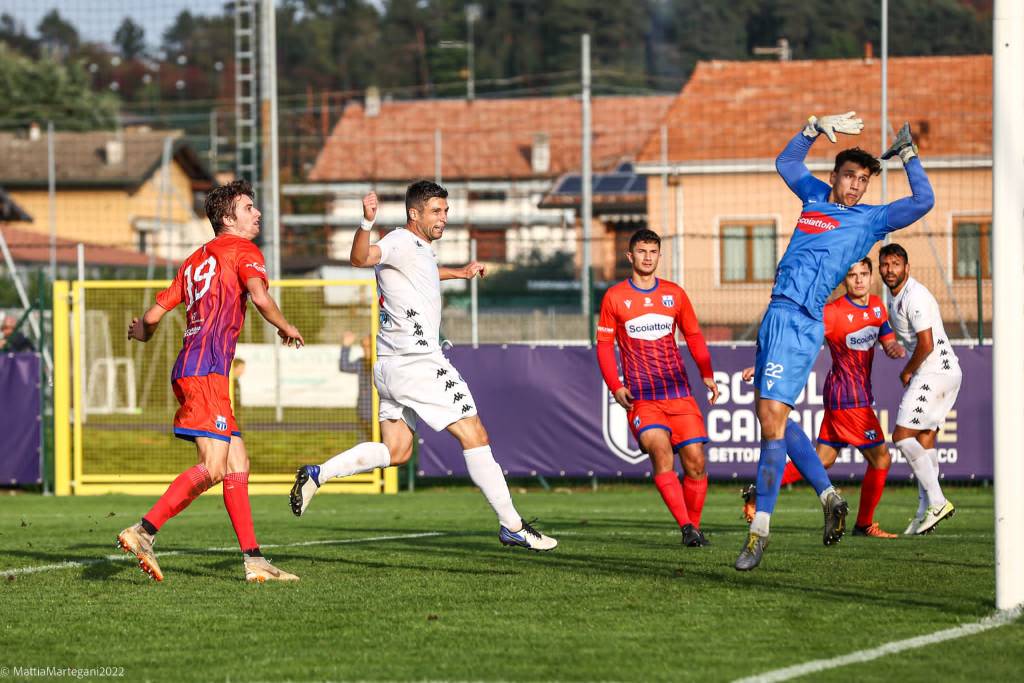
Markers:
{"x": 788, "y": 343}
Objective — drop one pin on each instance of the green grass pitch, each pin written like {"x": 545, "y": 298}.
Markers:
{"x": 618, "y": 600}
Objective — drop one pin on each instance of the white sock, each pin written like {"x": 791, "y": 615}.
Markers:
{"x": 823, "y": 496}
{"x": 922, "y": 501}
{"x": 760, "y": 524}
{"x": 487, "y": 475}
{"x": 926, "y": 472}
{"x": 363, "y": 457}
{"x": 933, "y": 455}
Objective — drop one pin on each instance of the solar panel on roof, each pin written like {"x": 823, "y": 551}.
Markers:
{"x": 612, "y": 183}
{"x": 639, "y": 185}
{"x": 572, "y": 184}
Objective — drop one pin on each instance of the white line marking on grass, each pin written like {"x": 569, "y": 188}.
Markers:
{"x": 990, "y": 622}
{"x": 70, "y": 564}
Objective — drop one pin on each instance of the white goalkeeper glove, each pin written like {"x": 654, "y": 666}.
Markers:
{"x": 847, "y": 123}
{"x": 902, "y": 145}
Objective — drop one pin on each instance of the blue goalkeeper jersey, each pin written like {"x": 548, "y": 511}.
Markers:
{"x": 829, "y": 237}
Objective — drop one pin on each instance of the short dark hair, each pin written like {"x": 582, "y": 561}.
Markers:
{"x": 867, "y": 262}
{"x": 893, "y": 249}
{"x": 220, "y": 202}
{"x": 860, "y": 157}
{"x": 644, "y": 235}
{"x": 420, "y": 192}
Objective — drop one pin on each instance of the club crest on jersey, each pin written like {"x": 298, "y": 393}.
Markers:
{"x": 221, "y": 423}
{"x": 616, "y": 432}
{"x": 668, "y": 301}
{"x": 878, "y": 312}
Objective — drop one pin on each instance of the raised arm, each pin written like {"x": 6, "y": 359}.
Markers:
{"x": 364, "y": 254}
{"x": 790, "y": 162}
{"x": 908, "y": 210}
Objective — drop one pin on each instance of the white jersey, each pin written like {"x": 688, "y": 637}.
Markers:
{"x": 410, "y": 293}
{"x": 915, "y": 310}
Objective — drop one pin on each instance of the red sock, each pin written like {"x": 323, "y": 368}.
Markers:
{"x": 695, "y": 491}
{"x": 870, "y": 494}
{"x": 672, "y": 493}
{"x": 182, "y": 491}
{"x": 791, "y": 474}
{"x": 236, "y": 500}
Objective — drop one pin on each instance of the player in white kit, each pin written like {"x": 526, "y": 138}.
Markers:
{"x": 932, "y": 379}
{"x": 412, "y": 376}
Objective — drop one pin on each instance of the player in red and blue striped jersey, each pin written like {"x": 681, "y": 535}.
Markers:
{"x": 854, "y": 324}
{"x": 215, "y": 282}
{"x": 641, "y": 315}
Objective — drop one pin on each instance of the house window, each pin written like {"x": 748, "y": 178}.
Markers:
{"x": 490, "y": 245}
{"x": 748, "y": 251}
{"x": 972, "y": 244}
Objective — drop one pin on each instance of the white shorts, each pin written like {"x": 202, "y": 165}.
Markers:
{"x": 422, "y": 385}
{"x": 928, "y": 400}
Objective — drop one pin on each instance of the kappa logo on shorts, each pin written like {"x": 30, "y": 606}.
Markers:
{"x": 221, "y": 423}
{"x": 458, "y": 397}
{"x": 449, "y": 384}
{"x": 442, "y": 372}
{"x": 466, "y": 408}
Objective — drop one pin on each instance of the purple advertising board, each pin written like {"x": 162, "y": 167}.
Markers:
{"x": 19, "y": 419}
{"x": 548, "y": 413}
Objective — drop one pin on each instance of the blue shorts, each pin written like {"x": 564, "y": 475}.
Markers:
{"x": 788, "y": 342}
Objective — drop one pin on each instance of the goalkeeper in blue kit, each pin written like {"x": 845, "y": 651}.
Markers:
{"x": 834, "y": 231}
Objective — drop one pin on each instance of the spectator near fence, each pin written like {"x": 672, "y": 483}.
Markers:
{"x": 13, "y": 340}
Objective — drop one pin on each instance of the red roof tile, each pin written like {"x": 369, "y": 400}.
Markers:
{"x": 33, "y": 247}
{"x": 489, "y": 138}
{"x": 749, "y": 110}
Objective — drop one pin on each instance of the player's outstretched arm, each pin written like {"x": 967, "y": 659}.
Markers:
{"x": 364, "y": 254}
{"x": 466, "y": 272}
{"x": 790, "y": 162}
{"x": 267, "y": 307}
{"x": 142, "y": 330}
{"x": 908, "y": 210}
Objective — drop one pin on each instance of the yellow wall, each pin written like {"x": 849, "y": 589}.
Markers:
{"x": 104, "y": 215}
{"x": 707, "y": 200}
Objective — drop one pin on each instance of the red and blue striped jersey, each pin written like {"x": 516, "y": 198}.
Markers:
{"x": 643, "y": 323}
{"x": 851, "y": 332}
{"x": 212, "y": 285}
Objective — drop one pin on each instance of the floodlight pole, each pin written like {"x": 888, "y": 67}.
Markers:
{"x": 1007, "y": 286}
{"x": 586, "y": 208}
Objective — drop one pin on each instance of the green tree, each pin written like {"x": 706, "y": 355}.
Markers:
{"x": 49, "y": 90}
{"x": 130, "y": 38}
{"x": 57, "y": 34}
